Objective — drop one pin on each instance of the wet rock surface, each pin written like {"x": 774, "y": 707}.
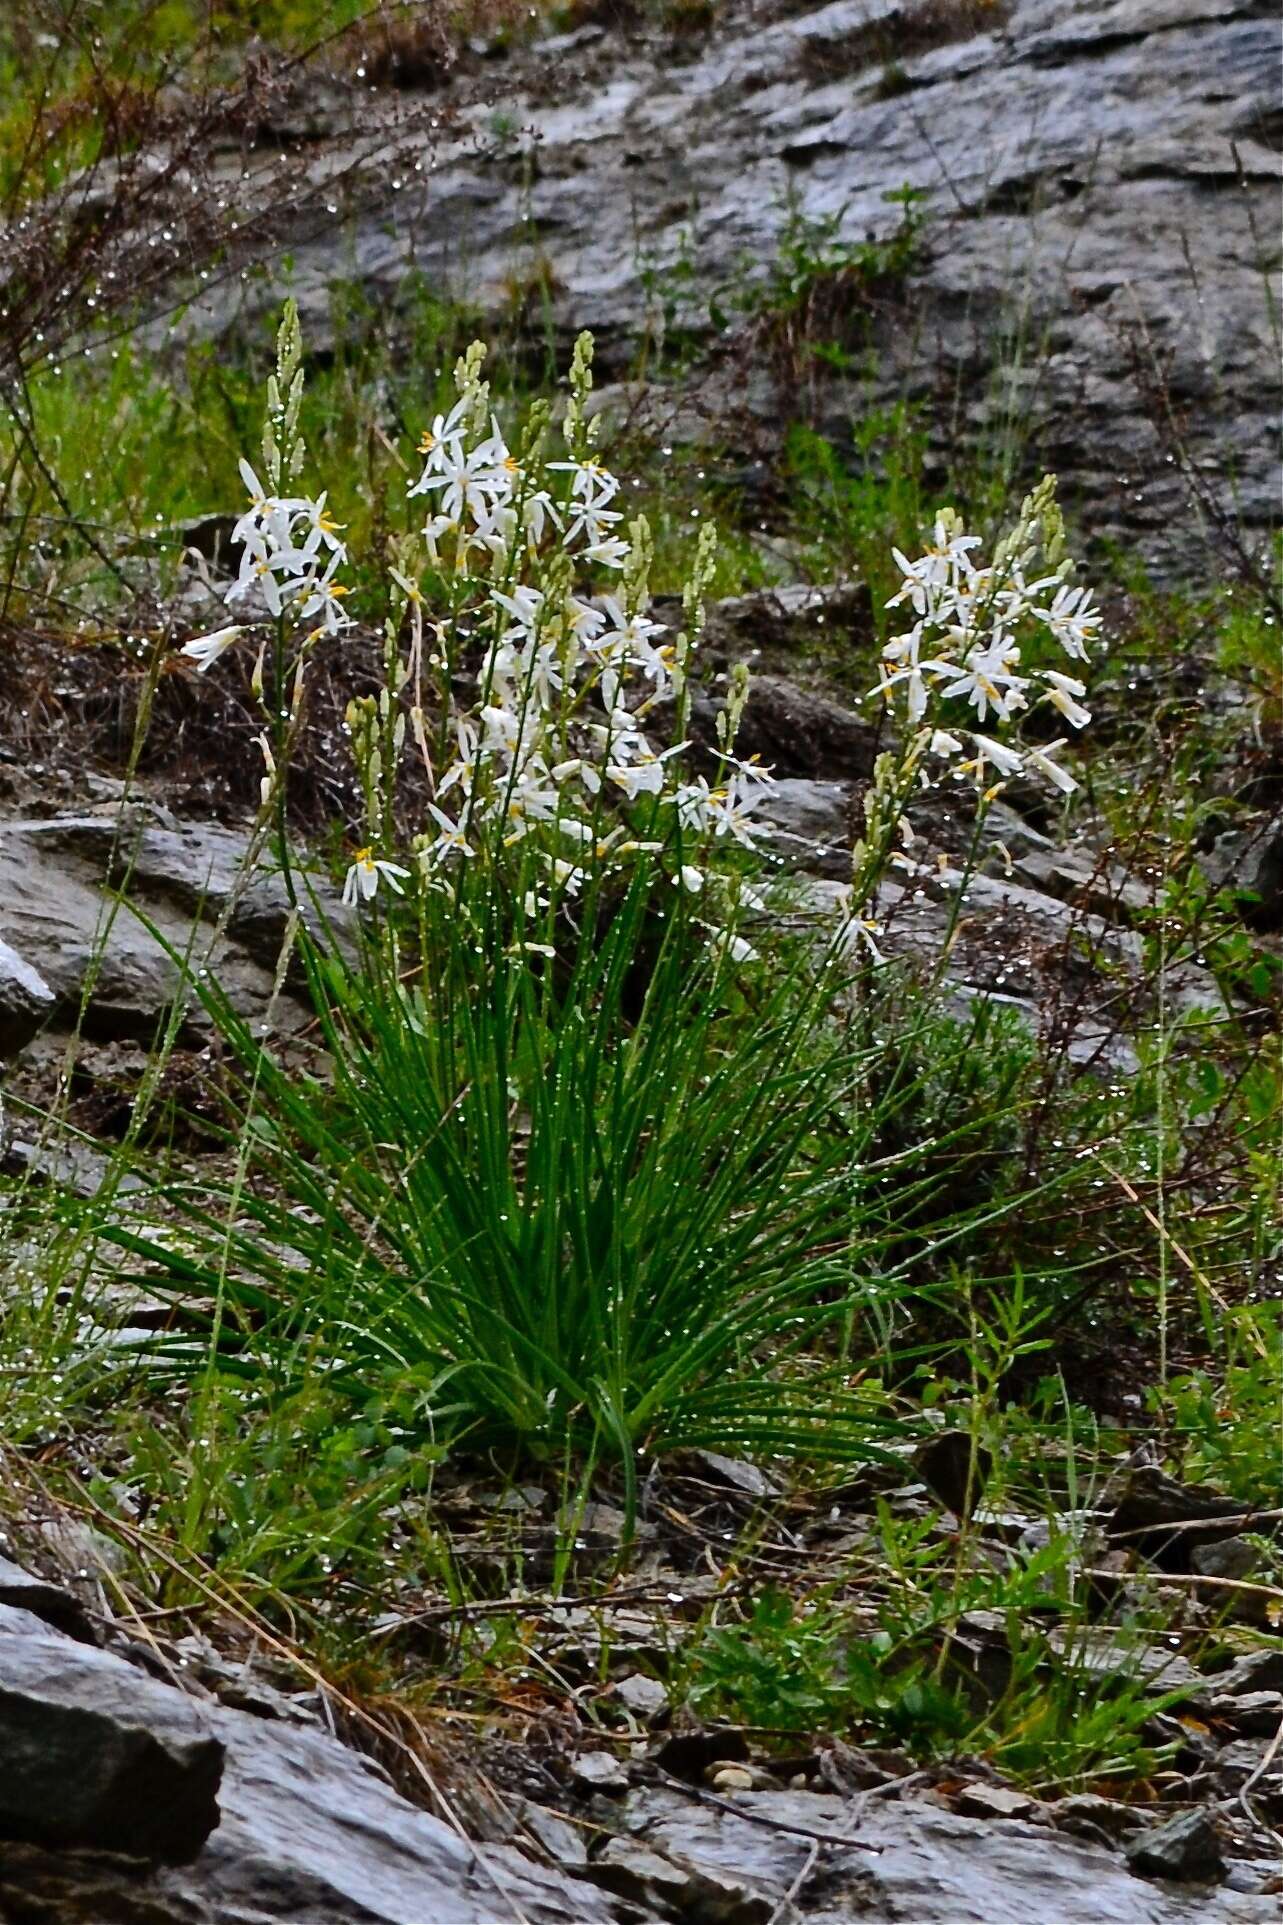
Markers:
{"x": 254, "y": 1811}
{"x": 834, "y": 1859}
{"x": 112, "y": 913}
{"x": 294, "y": 1825}
{"x": 94, "y": 951}
{"x": 26, "y": 1001}
{"x": 1103, "y": 181}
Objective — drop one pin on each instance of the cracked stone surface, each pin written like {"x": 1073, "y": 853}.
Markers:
{"x": 1104, "y": 192}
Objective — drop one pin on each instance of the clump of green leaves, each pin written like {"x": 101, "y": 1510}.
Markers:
{"x": 795, "y": 1670}
{"x": 1225, "y": 1426}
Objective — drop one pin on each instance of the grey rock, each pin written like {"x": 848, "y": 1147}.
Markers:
{"x": 783, "y": 631}
{"x": 117, "y": 968}
{"x": 195, "y": 866}
{"x": 1098, "y": 1652}
{"x": 799, "y": 731}
{"x": 308, "y": 1830}
{"x": 554, "y": 1835}
{"x": 1260, "y": 1875}
{"x": 735, "y": 1473}
{"x": 262, "y": 912}
{"x": 1013, "y": 944}
{"x": 932, "y": 1866}
{"x": 241, "y": 1685}
{"x": 1232, "y": 1557}
{"x": 1249, "y": 862}
{"x": 808, "y": 826}
{"x": 996, "y": 1801}
{"x": 955, "y": 1466}
{"x": 53, "y": 1604}
{"x": 1087, "y": 1812}
{"x": 793, "y": 730}
{"x": 26, "y": 1001}
{"x": 643, "y": 1876}
{"x": 645, "y": 1697}
{"x": 599, "y": 1771}
{"x": 1104, "y": 178}
{"x": 1101, "y": 888}
{"x": 1257, "y": 1714}
{"x": 70, "y": 1164}
{"x": 1257, "y": 1671}
{"x": 689, "y": 1889}
{"x": 1246, "y": 1758}
{"x": 1186, "y": 1847}
{"x": 1146, "y": 1500}
{"x": 199, "y": 867}
{"x": 78, "y": 1777}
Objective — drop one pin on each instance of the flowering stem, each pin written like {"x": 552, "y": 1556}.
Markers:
{"x": 968, "y": 870}
{"x": 281, "y": 743}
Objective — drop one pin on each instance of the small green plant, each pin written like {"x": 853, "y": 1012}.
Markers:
{"x": 1225, "y": 1427}
{"x": 795, "y": 1670}
{"x": 813, "y": 302}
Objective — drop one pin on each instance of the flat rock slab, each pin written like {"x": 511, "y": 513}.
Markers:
{"x": 308, "y": 1831}
{"x": 934, "y": 1867}
{"x": 76, "y": 953}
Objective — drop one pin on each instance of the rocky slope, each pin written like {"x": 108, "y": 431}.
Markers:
{"x": 143, "y": 1781}
{"x": 1103, "y": 182}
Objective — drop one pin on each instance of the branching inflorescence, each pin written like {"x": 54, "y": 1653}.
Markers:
{"x": 524, "y": 663}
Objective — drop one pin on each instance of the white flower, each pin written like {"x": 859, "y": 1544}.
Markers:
{"x": 644, "y": 775}
{"x": 537, "y": 510}
{"x": 988, "y": 679}
{"x": 567, "y": 875}
{"x": 444, "y": 433}
{"x": 323, "y": 596}
{"x": 1072, "y": 620}
{"x": 901, "y": 663}
{"x": 256, "y": 573}
{"x": 433, "y": 529}
{"x": 505, "y": 732}
{"x": 466, "y": 480}
{"x": 268, "y": 781}
{"x": 593, "y": 484}
{"x": 463, "y": 771}
{"x": 525, "y": 605}
{"x": 608, "y": 552}
{"x": 861, "y": 930}
{"x": 727, "y": 943}
{"x": 451, "y": 835}
{"x": 1005, "y": 760}
{"x": 590, "y": 517}
{"x": 530, "y": 794}
{"x": 1062, "y": 690}
{"x": 1042, "y": 760}
{"x": 206, "y": 649}
{"x": 363, "y": 877}
{"x": 322, "y": 526}
{"x": 942, "y": 743}
{"x": 726, "y": 809}
{"x": 269, "y": 511}
{"x": 945, "y": 563}
{"x": 693, "y": 804}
